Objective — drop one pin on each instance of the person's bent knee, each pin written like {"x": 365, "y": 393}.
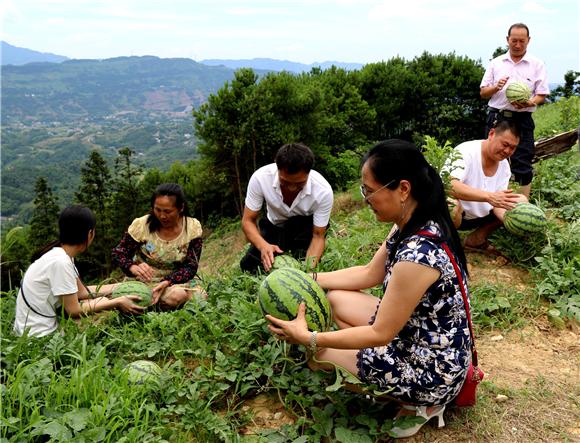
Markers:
{"x": 174, "y": 298}
{"x": 524, "y": 178}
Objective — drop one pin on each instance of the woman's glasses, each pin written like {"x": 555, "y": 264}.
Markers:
{"x": 367, "y": 196}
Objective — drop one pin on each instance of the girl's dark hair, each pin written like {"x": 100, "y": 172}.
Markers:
{"x": 168, "y": 190}
{"x": 401, "y": 160}
{"x": 74, "y": 224}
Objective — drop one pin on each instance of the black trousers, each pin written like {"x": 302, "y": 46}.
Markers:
{"x": 521, "y": 159}
{"x": 293, "y": 237}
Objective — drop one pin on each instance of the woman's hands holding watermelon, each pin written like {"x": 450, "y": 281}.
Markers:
{"x": 293, "y": 331}
{"x": 128, "y": 304}
{"x": 158, "y": 290}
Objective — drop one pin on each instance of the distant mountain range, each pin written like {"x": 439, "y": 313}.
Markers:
{"x": 13, "y": 55}
{"x": 269, "y": 64}
{"x": 86, "y": 90}
{"x": 41, "y": 87}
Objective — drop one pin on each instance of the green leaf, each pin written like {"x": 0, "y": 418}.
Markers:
{"x": 77, "y": 419}
{"x": 345, "y": 435}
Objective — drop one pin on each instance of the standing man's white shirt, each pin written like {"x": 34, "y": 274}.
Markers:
{"x": 45, "y": 281}
{"x": 316, "y": 198}
{"x": 469, "y": 170}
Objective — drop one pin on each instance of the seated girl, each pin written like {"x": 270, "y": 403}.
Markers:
{"x": 52, "y": 281}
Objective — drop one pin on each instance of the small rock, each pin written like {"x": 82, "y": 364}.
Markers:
{"x": 278, "y": 415}
{"x": 497, "y": 338}
{"x": 501, "y": 398}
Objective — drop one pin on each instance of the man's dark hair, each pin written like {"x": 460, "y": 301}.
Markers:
{"x": 502, "y": 125}
{"x": 518, "y": 25}
{"x": 294, "y": 158}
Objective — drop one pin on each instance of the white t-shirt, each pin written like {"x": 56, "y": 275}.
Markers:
{"x": 49, "y": 277}
{"x": 469, "y": 170}
{"x": 314, "y": 199}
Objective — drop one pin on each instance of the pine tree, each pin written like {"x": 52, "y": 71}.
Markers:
{"x": 95, "y": 193}
{"x": 44, "y": 222}
{"x": 126, "y": 192}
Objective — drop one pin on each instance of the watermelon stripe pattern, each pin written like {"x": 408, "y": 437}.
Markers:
{"x": 284, "y": 289}
{"x": 286, "y": 261}
{"x": 134, "y": 288}
{"x": 518, "y": 92}
{"x": 525, "y": 219}
{"x": 142, "y": 371}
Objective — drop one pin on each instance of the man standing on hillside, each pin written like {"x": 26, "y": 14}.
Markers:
{"x": 517, "y": 65}
{"x": 298, "y": 204}
{"x": 480, "y": 182}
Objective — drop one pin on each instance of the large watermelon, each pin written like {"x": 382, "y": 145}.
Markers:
{"x": 525, "y": 219}
{"x": 518, "y": 92}
{"x": 286, "y": 261}
{"x": 134, "y": 288}
{"x": 284, "y": 289}
{"x": 141, "y": 371}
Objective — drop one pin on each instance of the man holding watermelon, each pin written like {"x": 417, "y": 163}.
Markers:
{"x": 515, "y": 84}
{"x": 298, "y": 205}
{"x": 479, "y": 182}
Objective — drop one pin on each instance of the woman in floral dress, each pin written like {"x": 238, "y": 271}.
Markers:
{"x": 414, "y": 342}
{"x": 163, "y": 248}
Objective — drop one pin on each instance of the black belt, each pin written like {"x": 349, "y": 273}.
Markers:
{"x": 506, "y": 113}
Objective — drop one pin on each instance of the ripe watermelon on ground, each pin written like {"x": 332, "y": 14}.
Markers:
{"x": 134, "y": 288}
{"x": 286, "y": 261}
{"x": 142, "y": 371}
{"x": 524, "y": 219}
{"x": 284, "y": 289}
{"x": 518, "y": 92}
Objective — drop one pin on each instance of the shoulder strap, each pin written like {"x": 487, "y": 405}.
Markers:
{"x": 29, "y": 306}
{"x": 463, "y": 291}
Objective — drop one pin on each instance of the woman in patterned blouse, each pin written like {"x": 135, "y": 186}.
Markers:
{"x": 163, "y": 248}
{"x": 414, "y": 342}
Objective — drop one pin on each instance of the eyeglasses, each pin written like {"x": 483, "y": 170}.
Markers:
{"x": 363, "y": 190}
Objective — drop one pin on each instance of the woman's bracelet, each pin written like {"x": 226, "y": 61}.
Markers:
{"x": 314, "y": 275}
{"x": 312, "y": 347}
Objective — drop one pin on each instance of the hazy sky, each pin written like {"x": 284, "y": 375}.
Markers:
{"x": 305, "y": 31}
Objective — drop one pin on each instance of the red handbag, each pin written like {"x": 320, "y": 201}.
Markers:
{"x": 467, "y": 395}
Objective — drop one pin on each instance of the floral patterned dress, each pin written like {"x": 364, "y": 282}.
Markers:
{"x": 427, "y": 362}
{"x": 175, "y": 260}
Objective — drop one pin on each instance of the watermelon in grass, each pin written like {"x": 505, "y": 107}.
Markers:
{"x": 142, "y": 371}
{"x": 284, "y": 289}
{"x": 518, "y": 92}
{"x": 524, "y": 219}
{"x": 134, "y": 288}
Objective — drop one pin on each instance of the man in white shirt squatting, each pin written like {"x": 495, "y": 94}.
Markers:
{"x": 298, "y": 205}
{"x": 480, "y": 182}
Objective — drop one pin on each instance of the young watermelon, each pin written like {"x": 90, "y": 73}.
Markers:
{"x": 284, "y": 289}
{"x": 525, "y": 219}
{"x": 134, "y": 288}
{"x": 518, "y": 92}
{"x": 286, "y": 261}
{"x": 141, "y": 371}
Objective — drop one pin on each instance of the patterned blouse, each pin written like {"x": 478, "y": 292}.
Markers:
{"x": 427, "y": 362}
{"x": 180, "y": 255}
